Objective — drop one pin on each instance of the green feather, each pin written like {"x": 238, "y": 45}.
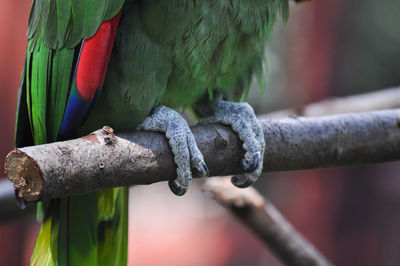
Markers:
{"x": 78, "y": 22}
{"x": 285, "y": 10}
{"x": 95, "y": 15}
{"x": 41, "y": 254}
{"x": 38, "y": 94}
{"x": 61, "y": 74}
{"x": 83, "y": 230}
{"x": 63, "y": 19}
{"x": 114, "y": 237}
{"x": 50, "y": 30}
{"x": 65, "y": 23}
{"x": 34, "y": 18}
{"x": 23, "y": 133}
{"x": 113, "y": 7}
{"x": 27, "y": 93}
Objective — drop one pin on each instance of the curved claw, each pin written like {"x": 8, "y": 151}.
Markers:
{"x": 241, "y": 117}
{"x": 252, "y": 164}
{"x": 177, "y": 188}
{"x": 242, "y": 181}
{"x": 187, "y": 155}
{"x": 202, "y": 170}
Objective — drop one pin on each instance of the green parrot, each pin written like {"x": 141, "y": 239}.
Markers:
{"x": 91, "y": 63}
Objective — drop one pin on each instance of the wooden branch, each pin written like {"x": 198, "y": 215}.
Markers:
{"x": 9, "y": 209}
{"x": 261, "y": 216}
{"x": 369, "y": 101}
{"x": 103, "y": 160}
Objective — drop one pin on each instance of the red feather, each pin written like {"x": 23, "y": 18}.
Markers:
{"x": 94, "y": 57}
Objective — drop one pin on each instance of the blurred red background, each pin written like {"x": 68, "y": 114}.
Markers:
{"x": 352, "y": 214}
{"x": 15, "y": 236}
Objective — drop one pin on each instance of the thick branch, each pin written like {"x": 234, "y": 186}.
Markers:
{"x": 261, "y": 216}
{"x": 103, "y": 160}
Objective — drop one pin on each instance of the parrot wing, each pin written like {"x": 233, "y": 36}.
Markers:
{"x": 55, "y": 30}
{"x": 61, "y": 37}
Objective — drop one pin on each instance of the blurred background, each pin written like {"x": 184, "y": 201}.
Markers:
{"x": 327, "y": 48}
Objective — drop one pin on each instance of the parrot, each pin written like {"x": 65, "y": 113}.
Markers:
{"x": 130, "y": 64}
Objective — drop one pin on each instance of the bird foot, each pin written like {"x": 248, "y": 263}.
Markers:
{"x": 187, "y": 155}
{"x": 241, "y": 117}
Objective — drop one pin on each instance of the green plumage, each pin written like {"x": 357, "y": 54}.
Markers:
{"x": 179, "y": 53}
{"x": 78, "y": 230}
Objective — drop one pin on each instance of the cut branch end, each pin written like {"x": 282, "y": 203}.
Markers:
{"x": 24, "y": 172}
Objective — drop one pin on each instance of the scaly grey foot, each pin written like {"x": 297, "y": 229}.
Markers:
{"x": 241, "y": 117}
{"x": 186, "y": 153}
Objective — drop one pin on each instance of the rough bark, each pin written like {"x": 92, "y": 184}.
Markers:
{"x": 261, "y": 217}
{"x": 102, "y": 160}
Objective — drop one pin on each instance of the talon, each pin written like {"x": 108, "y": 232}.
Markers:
{"x": 252, "y": 164}
{"x": 205, "y": 168}
{"x": 187, "y": 155}
{"x": 202, "y": 170}
{"x": 241, "y": 117}
{"x": 177, "y": 188}
{"x": 241, "y": 181}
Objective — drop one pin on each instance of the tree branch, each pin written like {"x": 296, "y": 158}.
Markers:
{"x": 103, "y": 160}
{"x": 370, "y": 101}
{"x": 261, "y": 217}
{"x": 9, "y": 209}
